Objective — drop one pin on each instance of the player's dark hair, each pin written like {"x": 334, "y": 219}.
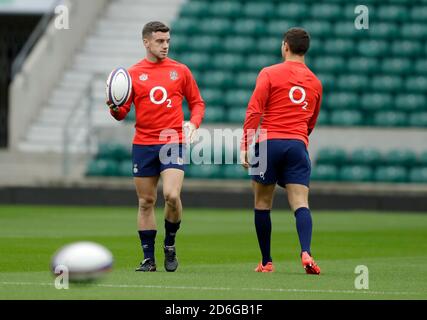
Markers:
{"x": 154, "y": 26}
{"x": 298, "y": 40}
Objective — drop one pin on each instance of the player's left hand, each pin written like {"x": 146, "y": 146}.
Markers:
{"x": 244, "y": 159}
{"x": 190, "y": 131}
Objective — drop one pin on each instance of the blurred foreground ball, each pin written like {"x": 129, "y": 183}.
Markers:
{"x": 85, "y": 261}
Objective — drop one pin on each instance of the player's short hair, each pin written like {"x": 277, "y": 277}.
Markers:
{"x": 298, "y": 40}
{"x": 154, "y": 26}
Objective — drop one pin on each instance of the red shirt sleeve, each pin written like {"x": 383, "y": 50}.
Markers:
{"x": 313, "y": 119}
{"x": 194, "y": 99}
{"x": 255, "y": 109}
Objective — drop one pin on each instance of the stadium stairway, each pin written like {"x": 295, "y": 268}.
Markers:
{"x": 114, "y": 41}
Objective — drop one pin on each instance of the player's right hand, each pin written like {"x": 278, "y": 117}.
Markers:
{"x": 112, "y": 106}
{"x": 244, "y": 159}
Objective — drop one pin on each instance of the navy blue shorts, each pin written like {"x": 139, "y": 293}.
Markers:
{"x": 284, "y": 161}
{"x": 151, "y": 160}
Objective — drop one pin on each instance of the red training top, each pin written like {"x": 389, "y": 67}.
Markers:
{"x": 157, "y": 93}
{"x": 287, "y": 96}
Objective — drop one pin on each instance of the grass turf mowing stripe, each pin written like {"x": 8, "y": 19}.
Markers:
{"x": 119, "y": 286}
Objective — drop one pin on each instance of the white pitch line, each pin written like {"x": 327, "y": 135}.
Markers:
{"x": 223, "y": 288}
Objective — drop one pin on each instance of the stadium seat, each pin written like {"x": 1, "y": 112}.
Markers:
{"x": 113, "y": 151}
{"x": 204, "y": 171}
{"x": 228, "y": 62}
{"x": 196, "y": 61}
{"x": 356, "y": 174}
{"x": 213, "y": 96}
{"x": 331, "y": 156}
{"x": 353, "y": 82}
{"x": 346, "y": 29}
{"x": 391, "y": 174}
{"x": 238, "y": 44}
{"x": 340, "y": 47}
{"x": 179, "y": 44}
{"x": 418, "y": 119}
{"x": 258, "y": 10}
{"x": 376, "y": 101}
{"x": 225, "y": 9}
{"x": 316, "y": 48}
{"x": 363, "y": 65}
{"x": 293, "y": 10}
{"x": 406, "y": 48}
{"x": 326, "y": 11}
{"x": 214, "y": 114}
{"x": 276, "y": 28}
{"x": 237, "y": 98}
{"x": 260, "y": 61}
{"x": 411, "y": 102}
{"x": 318, "y": 28}
{"x": 418, "y": 175}
{"x": 102, "y": 168}
{"x": 184, "y": 26}
{"x": 216, "y": 79}
{"x": 124, "y": 168}
{"x": 245, "y": 80}
{"x": 215, "y": 27}
{"x": 383, "y": 30}
{"x": 417, "y": 84}
{"x": 248, "y": 27}
{"x": 386, "y": 83}
{"x": 324, "y": 173}
{"x": 421, "y": 66}
{"x": 390, "y": 119}
{"x": 346, "y": 118}
{"x": 397, "y": 66}
{"x": 328, "y": 81}
{"x": 422, "y": 159}
{"x": 417, "y": 31}
{"x": 347, "y": 13}
{"x": 323, "y": 118}
{"x": 206, "y": 44}
{"x": 235, "y": 171}
{"x": 329, "y": 64}
{"x": 366, "y": 157}
{"x": 236, "y": 115}
{"x": 373, "y": 48}
{"x": 393, "y": 13}
{"x": 185, "y": 110}
{"x": 400, "y": 157}
{"x": 269, "y": 45}
{"x": 194, "y": 9}
{"x": 419, "y": 13}
{"x": 341, "y": 100}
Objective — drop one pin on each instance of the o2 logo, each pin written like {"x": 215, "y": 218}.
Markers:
{"x": 300, "y": 100}
{"x": 163, "y": 99}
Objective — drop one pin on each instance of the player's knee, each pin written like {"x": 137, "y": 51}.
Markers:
{"x": 172, "y": 198}
{"x": 298, "y": 203}
{"x": 146, "y": 202}
{"x": 263, "y": 203}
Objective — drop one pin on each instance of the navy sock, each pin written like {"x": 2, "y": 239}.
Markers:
{"x": 170, "y": 232}
{"x": 304, "y": 228}
{"x": 263, "y": 231}
{"x": 148, "y": 238}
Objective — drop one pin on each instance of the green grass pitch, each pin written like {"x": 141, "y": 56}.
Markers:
{"x": 217, "y": 251}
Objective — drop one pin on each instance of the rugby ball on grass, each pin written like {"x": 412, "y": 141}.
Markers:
{"x": 118, "y": 87}
{"x": 85, "y": 261}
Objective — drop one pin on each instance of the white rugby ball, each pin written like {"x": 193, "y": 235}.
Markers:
{"x": 83, "y": 260}
{"x": 118, "y": 87}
